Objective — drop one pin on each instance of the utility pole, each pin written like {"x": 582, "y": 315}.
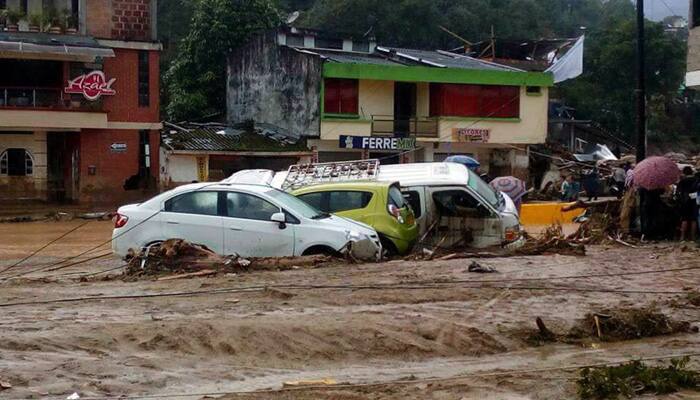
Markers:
{"x": 641, "y": 90}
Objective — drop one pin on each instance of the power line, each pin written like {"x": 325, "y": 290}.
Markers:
{"x": 35, "y": 252}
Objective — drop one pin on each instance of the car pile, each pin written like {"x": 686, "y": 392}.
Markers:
{"x": 357, "y": 208}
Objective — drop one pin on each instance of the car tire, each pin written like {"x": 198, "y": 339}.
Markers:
{"x": 320, "y": 250}
{"x": 388, "y": 247}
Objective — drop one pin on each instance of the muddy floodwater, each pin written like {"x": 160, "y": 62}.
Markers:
{"x": 392, "y": 330}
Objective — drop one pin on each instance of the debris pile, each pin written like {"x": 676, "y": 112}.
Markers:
{"x": 611, "y": 326}
{"x": 186, "y": 260}
{"x": 636, "y": 378}
{"x": 551, "y": 241}
{"x": 627, "y": 324}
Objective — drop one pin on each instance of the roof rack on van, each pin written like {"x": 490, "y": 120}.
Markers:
{"x": 300, "y": 175}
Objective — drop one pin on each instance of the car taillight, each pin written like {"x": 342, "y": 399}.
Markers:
{"x": 395, "y": 212}
{"x": 512, "y": 234}
{"x": 119, "y": 220}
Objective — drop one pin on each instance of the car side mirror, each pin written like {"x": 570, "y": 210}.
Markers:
{"x": 280, "y": 218}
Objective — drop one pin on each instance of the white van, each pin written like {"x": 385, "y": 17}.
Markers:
{"x": 448, "y": 199}
{"x": 459, "y": 206}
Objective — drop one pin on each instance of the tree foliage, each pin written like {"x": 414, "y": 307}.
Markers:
{"x": 196, "y": 79}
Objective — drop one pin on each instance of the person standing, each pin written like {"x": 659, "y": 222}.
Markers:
{"x": 569, "y": 189}
{"x": 687, "y": 205}
{"x": 591, "y": 184}
{"x": 619, "y": 176}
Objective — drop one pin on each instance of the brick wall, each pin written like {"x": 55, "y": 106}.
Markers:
{"x": 112, "y": 169}
{"x": 131, "y": 20}
{"x": 119, "y": 19}
{"x": 124, "y": 106}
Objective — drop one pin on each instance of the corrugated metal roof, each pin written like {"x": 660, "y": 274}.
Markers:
{"x": 446, "y": 59}
{"x": 354, "y": 57}
{"x": 219, "y": 137}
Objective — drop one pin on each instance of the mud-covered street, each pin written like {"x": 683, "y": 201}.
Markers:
{"x": 392, "y": 330}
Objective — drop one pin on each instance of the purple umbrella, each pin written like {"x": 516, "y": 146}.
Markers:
{"x": 656, "y": 173}
{"x": 510, "y": 185}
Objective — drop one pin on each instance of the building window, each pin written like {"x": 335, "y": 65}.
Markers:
{"x": 484, "y": 101}
{"x": 144, "y": 75}
{"x": 340, "y": 96}
{"x": 3, "y": 4}
{"x": 695, "y": 20}
{"x": 16, "y": 162}
{"x": 144, "y": 154}
{"x": 533, "y": 90}
{"x": 23, "y": 6}
{"x": 322, "y": 43}
{"x": 295, "y": 40}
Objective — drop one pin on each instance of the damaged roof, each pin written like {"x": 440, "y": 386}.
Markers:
{"x": 216, "y": 137}
{"x": 407, "y": 57}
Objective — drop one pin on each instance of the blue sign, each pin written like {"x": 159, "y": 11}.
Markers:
{"x": 376, "y": 143}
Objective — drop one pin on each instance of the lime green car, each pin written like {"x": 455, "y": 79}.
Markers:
{"x": 377, "y": 204}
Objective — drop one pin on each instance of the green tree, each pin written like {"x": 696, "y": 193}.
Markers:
{"x": 606, "y": 90}
{"x": 196, "y": 79}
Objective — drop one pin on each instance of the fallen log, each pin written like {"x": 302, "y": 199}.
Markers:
{"x": 205, "y": 272}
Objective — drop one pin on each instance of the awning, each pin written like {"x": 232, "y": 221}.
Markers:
{"x": 43, "y": 46}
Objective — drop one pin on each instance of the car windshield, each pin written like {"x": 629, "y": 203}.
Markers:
{"x": 491, "y": 196}
{"x": 296, "y": 205}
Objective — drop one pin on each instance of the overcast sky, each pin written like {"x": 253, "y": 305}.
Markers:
{"x": 657, "y": 10}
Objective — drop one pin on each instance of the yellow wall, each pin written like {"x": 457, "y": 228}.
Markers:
{"x": 377, "y": 98}
{"x": 530, "y": 129}
{"x": 52, "y": 119}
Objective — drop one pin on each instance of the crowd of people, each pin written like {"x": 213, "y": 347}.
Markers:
{"x": 679, "y": 203}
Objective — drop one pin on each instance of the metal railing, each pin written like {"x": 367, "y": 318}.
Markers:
{"x": 389, "y": 125}
{"x": 37, "y": 97}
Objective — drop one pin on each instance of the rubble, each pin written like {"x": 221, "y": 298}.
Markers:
{"x": 551, "y": 241}
{"x": 626, "y": 324}
{"x": 188, "y": 260}
{"x": 610, "y": 326}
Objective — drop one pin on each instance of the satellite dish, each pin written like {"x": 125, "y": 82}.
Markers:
{"x": 292, "y": 17}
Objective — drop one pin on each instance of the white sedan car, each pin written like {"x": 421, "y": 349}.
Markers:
{"x": 248, "y": 220}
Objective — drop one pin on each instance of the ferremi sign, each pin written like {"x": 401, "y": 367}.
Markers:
{"x": 376, "y": 143}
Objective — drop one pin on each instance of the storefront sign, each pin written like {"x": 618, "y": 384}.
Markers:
{"x": 91, "y": 85}
{"x": 472, "y": 135}
{"x": 376, "y": 143}
{"x": 117, "y": 147}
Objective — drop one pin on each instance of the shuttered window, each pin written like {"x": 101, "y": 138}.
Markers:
{"x": 483, "y": 101}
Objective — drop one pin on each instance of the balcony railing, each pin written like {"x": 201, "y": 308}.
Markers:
{"x": 388, "y": 125}
{"x": 43, "y": 98}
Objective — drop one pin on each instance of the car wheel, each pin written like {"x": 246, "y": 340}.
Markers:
{"x": 322, "y": 250}
{"x": 388, "y": 247}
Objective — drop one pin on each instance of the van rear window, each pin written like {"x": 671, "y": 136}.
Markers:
{"x": 413, "y": 199}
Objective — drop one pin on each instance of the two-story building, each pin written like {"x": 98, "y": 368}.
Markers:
{"x": 354, "y": 99}
{"x": 79, "y": 100}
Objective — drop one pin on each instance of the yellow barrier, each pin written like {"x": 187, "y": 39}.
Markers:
{"x": 547, "y": 214}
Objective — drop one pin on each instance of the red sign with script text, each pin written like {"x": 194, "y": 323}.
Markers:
{"x": 91, "y": 85}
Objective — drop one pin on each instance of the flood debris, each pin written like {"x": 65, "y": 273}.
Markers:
{"x": 636, "y": 378}
{"x": 610, "y": 326}
{"x": 180, "y": 259}
{"x": 626, "y": 324}
{"x": 5, "y": 385}
{"x": 476, "y": 267}
{"x": 551, "y": 241}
